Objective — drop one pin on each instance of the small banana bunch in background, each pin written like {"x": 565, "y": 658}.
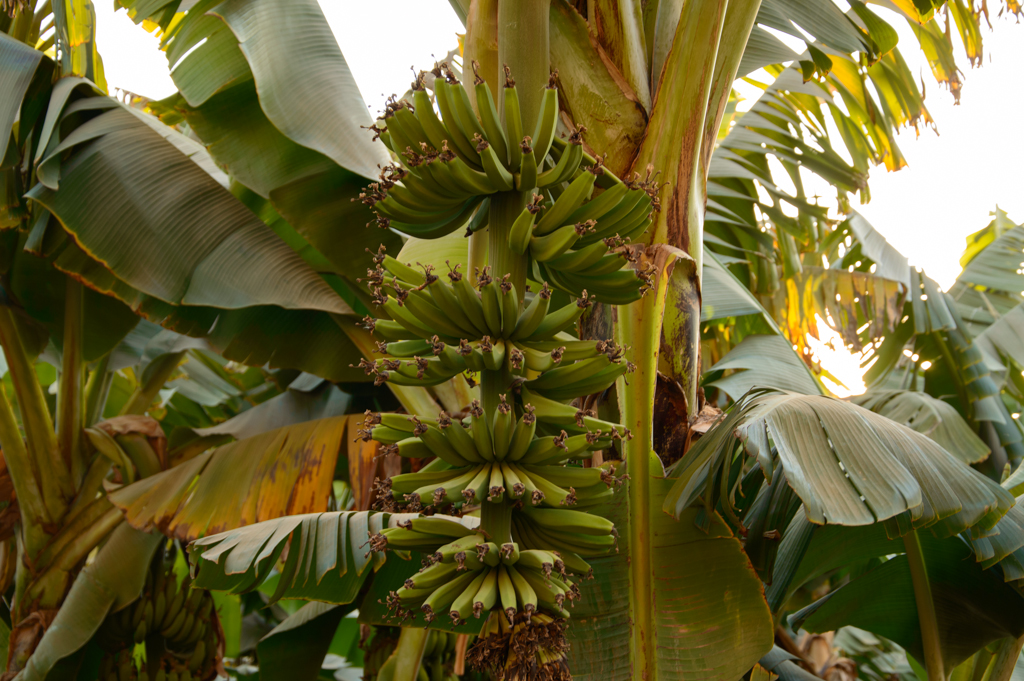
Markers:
{"x": 453, "y": 164}
{"x": 178, "y": 626}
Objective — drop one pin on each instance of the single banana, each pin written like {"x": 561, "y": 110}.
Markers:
{"x": 547, "y": 121}
{"x": 513, "y": 123}
{"x": 522, "y": 227}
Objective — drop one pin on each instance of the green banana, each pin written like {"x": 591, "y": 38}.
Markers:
{"x": 547, "y": 121}
{"x": 489, "y": 118}
{"x": 481, "y": 428}
{"x": 544, "y": 248}
{"x": 527, "y": 178}
{"x": 522, "y": 228}
{"x": 500, "y": 178}
{"x": 513, "y": 123}
{"x": 567, "y": 203}
{"x": 565, "y": 520}
{"x": 501, "y": 429}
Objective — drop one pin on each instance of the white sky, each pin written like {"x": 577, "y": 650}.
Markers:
{"x": 926, "y": 210}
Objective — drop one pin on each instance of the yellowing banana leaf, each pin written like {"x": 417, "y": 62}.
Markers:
{"x": 928, "y": 416}
{"x": 882, "y": 602}
{"x": 992, "y": 271}
{"x": 286, "y": 471}
{"x": 766, "y": 362}
{"x": 848, "y": 465}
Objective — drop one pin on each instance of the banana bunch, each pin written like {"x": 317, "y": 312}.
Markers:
{"x": 468, "y": 575}
{"x": 437, "y": 664}
{"x": 438, "y": 331}
{"x": 576, "y": 238}
{"x": 516, "y": 459}
{"x": 178, "y": 626}
{"x": 522, "y": 649}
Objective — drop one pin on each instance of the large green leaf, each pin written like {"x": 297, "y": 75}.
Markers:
{"x": 112, "y": 581}
{"x": 305, "y": 86}
{"x": 766, "y": 362}
{"x": 973, "y": 607}
{"x": 281, "y": 472}
{"x": 192, "y": 243}
{"x": 848, "y": 465}
{"x": 18, "y": 63}
{"x": 928, "y": 416}
{"x": 711, "y": 618}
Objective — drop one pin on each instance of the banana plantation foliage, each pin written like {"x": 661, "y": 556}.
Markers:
{"x": 512, "y": 381}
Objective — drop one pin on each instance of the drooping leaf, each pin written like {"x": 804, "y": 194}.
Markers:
{"x": 848, "y": 465}
{"x": 327, "y": 554}
{"x": 764, "y": 361}
{"x": 202, "y": 247}
{"x": 305, "y": 86}
{"x": 928, "y": 416}
{"x": 283, "y": 472}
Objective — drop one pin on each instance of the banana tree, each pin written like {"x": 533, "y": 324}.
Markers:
{"x": 239, "y": 92}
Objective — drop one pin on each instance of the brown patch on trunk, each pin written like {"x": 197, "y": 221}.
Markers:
{"x": 24, "y": 638}
{"x": 9, "y": 514}
{"x": 671, "y": 426}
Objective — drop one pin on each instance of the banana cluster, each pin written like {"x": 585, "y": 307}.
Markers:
{"x": 438, "y": 330}
{"x": 576, "y": 238}
{"x": 518, "y": 463}
{"x": 437, "y": 664}
{"x": 469, "y": 575}
{"x": 177, "y": 625}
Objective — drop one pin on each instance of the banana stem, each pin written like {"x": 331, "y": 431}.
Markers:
{"x": 496, "y": 522}
{"x": 69, "y": 398}
{"x": 147, "y": 390}
{"x": 55, "y": 485}
{"x": 1001, "y": 669}
{"x": 524, "y": 46}
{"x": 925, "y": 608}
{"x": 505, "y": 208}
{"x": 412, "y": 642}
{"x": 97, "y": 388}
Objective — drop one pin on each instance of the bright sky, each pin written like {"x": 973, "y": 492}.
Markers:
{"x": 926, "y": 210}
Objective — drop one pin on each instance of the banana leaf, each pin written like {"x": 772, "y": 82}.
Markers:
{"x": 928, "y": 416}
{"x": 327, "y": 556}
{"x": 881, "y": 469}
{"x": 711, "y": 619}
{"x": 763, "y": 361}
{"x": 973, "y": 607}
{"x": 295, "y": 649}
